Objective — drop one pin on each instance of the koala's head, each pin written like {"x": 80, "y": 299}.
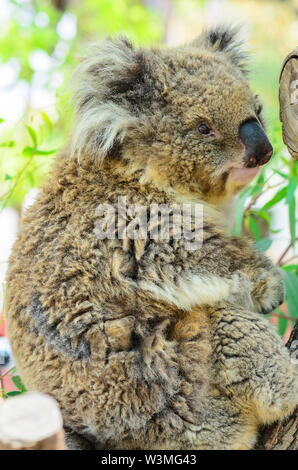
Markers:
{"x": 184, "y": 118}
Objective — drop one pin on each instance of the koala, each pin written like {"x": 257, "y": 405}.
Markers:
{"x": 152, "y": 342}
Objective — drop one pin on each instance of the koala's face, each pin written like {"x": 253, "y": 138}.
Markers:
{"x": 186, "y": 116}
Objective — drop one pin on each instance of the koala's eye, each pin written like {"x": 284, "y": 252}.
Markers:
{"x": 203, "y": 129}
{"x": 207, "y": 131}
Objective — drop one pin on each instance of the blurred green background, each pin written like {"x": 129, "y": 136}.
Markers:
{"x": 42, "y": 41}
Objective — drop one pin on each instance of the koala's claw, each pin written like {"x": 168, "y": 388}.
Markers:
{"x": 272, "y": 307}
{"x": 269, "y": 291}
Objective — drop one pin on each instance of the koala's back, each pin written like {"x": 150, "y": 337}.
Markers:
{"x": 123, "y": 367}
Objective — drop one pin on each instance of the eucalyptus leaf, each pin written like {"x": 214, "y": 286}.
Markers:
{"x": 279, "y": 196}
{"x": 18, "y": 383}
{"x": 264, "y": 244}
{"x": 291, "y": 268}
{"x": 28, "y": 151}
{"x": 13, "y": 394}
{"x": 291, "y": 285}
{"x": 254, "y": 227}
{"x": 292, "y": 186}
{"x": 45, "y": 152}
{"x": 282, "y": 326}
{"x": 292, "y": 219}
{"x": 32, "y": 135}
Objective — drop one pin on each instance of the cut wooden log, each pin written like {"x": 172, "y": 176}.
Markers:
{"x": 288, "y": 100}
{"x": 31, "y": 421}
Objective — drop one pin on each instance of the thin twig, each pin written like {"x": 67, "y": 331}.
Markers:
{"x": 295, "y": 257}
{"x": 8, "y": 194}
{"x": 286, "y": 317}
{"x": 253, "y": 201}
{"x": 10, "y": 371}
{"x": 279, "y": 262}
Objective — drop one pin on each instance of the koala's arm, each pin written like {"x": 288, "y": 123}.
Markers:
{"x": 251, "y": 362}
{"x": 253, "y": 381}
{"x": 222, "y": 268}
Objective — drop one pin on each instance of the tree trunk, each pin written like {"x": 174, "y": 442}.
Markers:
{"x": 283, "y": 435}
{"x": 288, "y": 99}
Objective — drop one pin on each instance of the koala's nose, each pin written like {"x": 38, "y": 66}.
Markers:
{"x": 258, "y": 149}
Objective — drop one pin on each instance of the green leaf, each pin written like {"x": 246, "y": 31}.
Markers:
{"x": 7, "y": 177}
{"x": 263, "y": 244}
{"x": 264, "y": 216}
{"x": 291, "y": 284}
{"x": 291, "y": 189}
{"x": 28, "y": 151}
{"x": 292, "y": 219}
{"x": 291, "y": 268}
{"x": 15, "y": 3}
{"x": 45, "y": 152}
{"x": 280, "y": 173}
{"x": 254, "y": 227}
{"x": 18, "y": 383}
{"x": 281, "y": 194}
{"x": 32, "y": 135}
{"x": 13, "y": 394}
{"x": 286, "y": 162}
{"x": 1, "y": 120}
{"x": 10, "y": 143}
{"x": 282, "y": 326}
{"x": 47, "y": 120}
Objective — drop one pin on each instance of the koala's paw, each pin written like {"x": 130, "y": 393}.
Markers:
{"x": 268, "y": 292}
{"x": 277, "y": 397}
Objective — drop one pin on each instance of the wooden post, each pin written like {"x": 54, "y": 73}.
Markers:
{"x": 288, "y": 100}
{"x": 31, "y": 421}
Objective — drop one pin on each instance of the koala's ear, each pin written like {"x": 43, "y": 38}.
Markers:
{"x": 225, "y": 39}
{"x": 103, "y": 115}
